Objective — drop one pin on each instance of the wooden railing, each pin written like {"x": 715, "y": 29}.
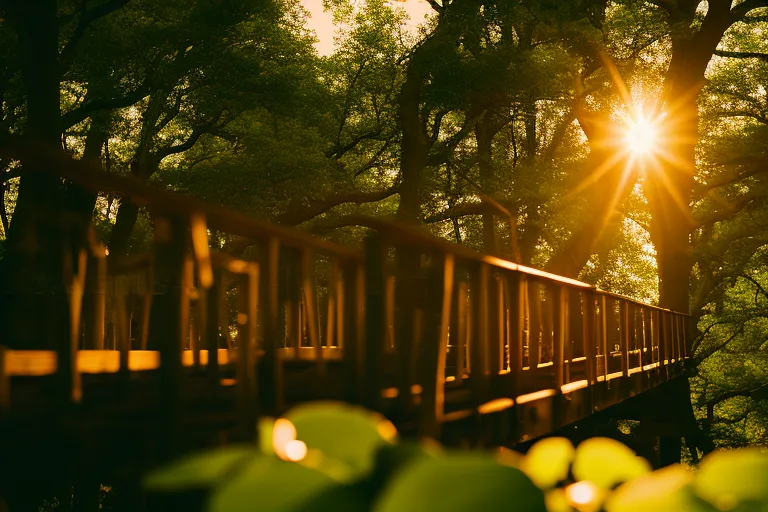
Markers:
{"x": 468, "y": 335}
{"x": 427, "y": 331}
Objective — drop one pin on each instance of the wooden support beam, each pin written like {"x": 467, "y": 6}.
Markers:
{"x": 375, "y": 325}
{"x": 169, "y": 322}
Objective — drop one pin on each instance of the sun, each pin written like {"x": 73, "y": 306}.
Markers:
{"x": 641, "y": 136}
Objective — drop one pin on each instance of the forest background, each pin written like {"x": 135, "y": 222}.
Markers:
{"x": 504, "y": 126}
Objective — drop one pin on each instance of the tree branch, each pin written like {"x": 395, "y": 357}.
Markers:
{"x": 740, "y": 11}
{"x": 456, "y": 212}
{"x": 197, "y": 132}
{"x": 301, "y": 210}
{"x": 740, "y": 113}
{"x": 86, "y": 18}
{"x": 82, "y": 112}
{"x": 742, "y": 55}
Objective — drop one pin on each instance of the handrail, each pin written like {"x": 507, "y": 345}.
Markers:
{"x": 416, "y": 235}
{"x": 237, "y": 223}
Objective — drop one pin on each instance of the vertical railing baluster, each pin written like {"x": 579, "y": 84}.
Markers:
{"x": 558, "y": 298}
{"x": 247, "y": 396}
{"x": 435, "y": 344}
{"x": 375, "y": 321}
{"x": 495, "y": 325}
{"x": 663, "y": 356}
{"x": 647, "y": 337}
{"x": 5, "y": 381}
{"x": 333, "y": 304}
{"x": 625, "y": 333}
{"x": 122, "y": 334}
{"x": 169, "y": 322}
{"x": 96, "y": 281}
{"x": 534, "y": 324}
{"x": 480, "y": 336}
{"x": 74, "y": 261}
{"x": 204, "y": 280}
{"x": 605, "y": 314}
{"x": 462, "y": 332}
{"x": 516, "y": 305}
{"x": 271, "y": 369}
{"x": 589, "y": 335}
{"x": 214, "y": 304}
{"x": 309, "y": 291}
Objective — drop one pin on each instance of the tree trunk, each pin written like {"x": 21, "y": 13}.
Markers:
{"x": 31, "y": 273}
{"x": 414, "y": 147}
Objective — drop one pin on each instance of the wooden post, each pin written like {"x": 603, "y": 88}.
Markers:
{"x": 480, "y": 373}
{"x": 534, "y": 324}
{"x": 496, "y": 355}
{"x": 624, "y": 331}
{"x": 96, "y": 283}
{"x": 68, "y": 372}
{"x": 5, "y": 382}
{"x": 215, "y": 297}
{"x": 352, "y": 330}
{"x": 169, "y": 322}
{"x": 375, "y": 322}
{"x": 558, "y": 296}
{"x": 516, "y": 299}
{"x": 438, "y": 312}
{"x": 604, "y": 316}
{"x": 309, "y": 292}
{"x": 247, "y": 396}
{"x": 589, "y": 334}
{"x": 462, "y": 332}
{"x": 271, "y": 369}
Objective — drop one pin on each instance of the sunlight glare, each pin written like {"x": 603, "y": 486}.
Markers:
{"x": 581, "y": 494}
{"x": 283, "y": 433}
{"x": 641, "y": 136}
{"x": 295, "y": 450}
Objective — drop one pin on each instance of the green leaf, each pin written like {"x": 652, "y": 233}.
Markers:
{"x": 200, "y": 470}
{"x": 390, "y": 459}
{"x": 730, "y": 478}
{"x": 266, "y": 429}
{"x": 607, "y": 462}
{"x": 350, "y": 434}
{"x": 548, "y": 461}
{"x": 270, "y": 484}
{"x": 459, "y": 482}
{"x": 665, "y": 490}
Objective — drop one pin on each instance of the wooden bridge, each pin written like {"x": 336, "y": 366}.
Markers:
{"x": 185, "y": 346}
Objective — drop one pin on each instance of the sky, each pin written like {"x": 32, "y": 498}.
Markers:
{"x": 322, "y": 22}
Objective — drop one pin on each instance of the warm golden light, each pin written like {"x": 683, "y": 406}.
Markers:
{"x": 295, "y": 450}
{"x": 283, "y": 434}
{"x": 581, "y": 494}
{"x": 642, "y": 135}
